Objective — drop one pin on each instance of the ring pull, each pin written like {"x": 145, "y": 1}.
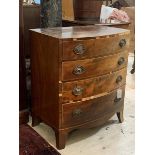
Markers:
{"x": 121, "y": 60}
{"x": 79, "y": 49}
{"x": 77, "y": 113}
{"x": 78, "y": 70}
{"x": 77, "y": 91}
{"x": 122, "y": 43}
{"x": 119, "y": 79}
{"x": 116, "y": 100}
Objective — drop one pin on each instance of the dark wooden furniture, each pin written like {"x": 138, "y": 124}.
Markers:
{"x": 123, "y": 25}
{"x": 78, "y": 76}
{"x": 66, "y": 23}
{"x": 23, "y": 107}
{"x": 87, "y": 9}
{"x": 31, "y": 18}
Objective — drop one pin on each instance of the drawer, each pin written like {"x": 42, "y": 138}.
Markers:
{"x": 74, "y": 70}
{"x": 81, "y": 112}
{"x": 77, "y": 90}
{"x": 89, "y": 48}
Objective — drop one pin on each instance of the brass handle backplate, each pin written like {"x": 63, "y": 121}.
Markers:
{"x": 122, "y": 43}
{"x": 77, "y": 91}
{"x": 79, "y": 49}
{"x": 77, "y": 113}
{"x": 116, "y": 100}
{"x": 119, "y": 79}
{"x": 121, "y": 60}
{"x": 78, "y": 70}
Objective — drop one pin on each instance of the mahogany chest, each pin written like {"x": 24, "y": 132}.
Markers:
{"x": 78, "y": 76}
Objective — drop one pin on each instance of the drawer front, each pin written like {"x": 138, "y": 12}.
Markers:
{"x": 73, "y": 70}
{"x": 77, "y": 90}
{"x": 81, "y": 49}
{"x": 81, "y": 112}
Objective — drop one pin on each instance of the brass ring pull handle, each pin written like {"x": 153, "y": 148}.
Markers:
{"x": 116, "y": 100}
{"x": 78, "y": 70}
{"x": 79, "y": 49}
{"x": 119, "y": 79}
{"x": 122, "y": 43}
{"x": 77, "y": 91}
{"x": 121, "y": 61}
{"x": 77, "y": 113}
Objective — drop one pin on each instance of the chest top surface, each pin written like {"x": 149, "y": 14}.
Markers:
{"x": 76, "y": 32}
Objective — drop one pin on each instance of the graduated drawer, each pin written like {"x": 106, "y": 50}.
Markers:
{"x": 77, "y": 90}
{"x": 89, "y": 48}
{"x": 81, "y": 112}
{"x": 73, "y": 70}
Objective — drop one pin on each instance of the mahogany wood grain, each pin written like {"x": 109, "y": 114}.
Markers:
{"x": 81, "y": 32}
{"x": 45, "y": 78}
{"x": 61, "y": 136}
{"x": 53, "y": 81}
{"x": 87, "y": 9}
{"x": 90, "y": 124}
{"x": 95, "y": 47}
{"x": 90, "y": 109}
{"x": 93, "y": 86}
{"x": 93, "y": 67}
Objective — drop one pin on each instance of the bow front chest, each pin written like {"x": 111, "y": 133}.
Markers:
{"x": 78, "y": 76}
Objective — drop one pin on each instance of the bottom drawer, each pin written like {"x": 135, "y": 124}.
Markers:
{"x": 83, "y": 111}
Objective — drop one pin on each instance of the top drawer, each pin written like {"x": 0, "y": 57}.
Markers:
{"x": 80, "y": 49}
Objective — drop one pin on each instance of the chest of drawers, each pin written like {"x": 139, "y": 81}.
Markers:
{"x": 78, "y": 77}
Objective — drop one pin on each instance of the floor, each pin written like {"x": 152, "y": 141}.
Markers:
{"x": 110, "y": 139}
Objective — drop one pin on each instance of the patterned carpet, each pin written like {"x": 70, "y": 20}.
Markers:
{"x": 31, "y": 143}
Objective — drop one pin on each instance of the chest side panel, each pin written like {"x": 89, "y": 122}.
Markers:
{"x": 45, "y": 77}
